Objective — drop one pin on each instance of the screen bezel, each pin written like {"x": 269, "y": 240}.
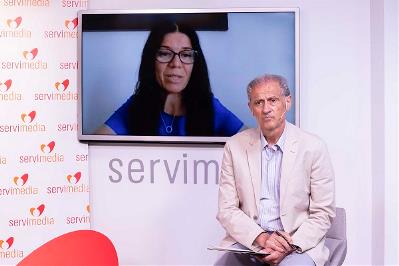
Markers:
{"x": 176, "y": 139}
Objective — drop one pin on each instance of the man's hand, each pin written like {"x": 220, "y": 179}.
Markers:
{"x": 280, "y": 243}
{"x": 278, "y": 246}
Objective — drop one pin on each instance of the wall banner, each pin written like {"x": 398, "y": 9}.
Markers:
{"x": 44, "y": 182}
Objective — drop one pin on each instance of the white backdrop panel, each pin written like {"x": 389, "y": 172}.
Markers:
{"x": 155, "y": 203}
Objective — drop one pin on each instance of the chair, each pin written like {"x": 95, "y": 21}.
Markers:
{"x": 336, "y": 239}
{"x": 82, "y": 247}
{"x": 335, "y": 242}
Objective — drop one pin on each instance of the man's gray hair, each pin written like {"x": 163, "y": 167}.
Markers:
{"x": 263, "y": 79}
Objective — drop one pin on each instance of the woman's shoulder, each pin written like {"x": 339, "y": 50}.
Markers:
{"x": 218, "y": 106}
{"x": 119, "y": 119}
{"x": 226, "y": 122}
{"x": 220, "y": 109}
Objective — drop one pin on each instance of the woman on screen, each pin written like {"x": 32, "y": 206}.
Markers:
{"x": 173, "y": 95}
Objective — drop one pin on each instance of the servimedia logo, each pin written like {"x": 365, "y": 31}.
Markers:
{"x": 47, "y": 155}
{"x": 7, "y": 93}
{"x": 36, "y": 218}
{"x": 68, "y": 31}
{"x": 6, "y": 252}
{"x": 26, "y": 3}
{"x": 61, "y": 93}
{"x": 27, "y": 125}
{"x": 30, "y": 62}
{"x": 14, "y": 29}
{"x": 71, "y": 187}
{"x": 19, "y": 187}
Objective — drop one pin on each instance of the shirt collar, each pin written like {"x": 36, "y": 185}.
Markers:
{"x": 280, "y": 142}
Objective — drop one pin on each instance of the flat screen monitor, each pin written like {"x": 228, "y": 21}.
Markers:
{"x": 140, "y": 81}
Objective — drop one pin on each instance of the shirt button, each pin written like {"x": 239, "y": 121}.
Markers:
{"x": 255, "y": 217}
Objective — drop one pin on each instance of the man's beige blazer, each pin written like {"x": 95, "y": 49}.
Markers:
{"x": 306, "y": 190}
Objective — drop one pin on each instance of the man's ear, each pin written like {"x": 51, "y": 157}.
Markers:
{"x": 287, "y": 103}
{"x": 250, "y": 107}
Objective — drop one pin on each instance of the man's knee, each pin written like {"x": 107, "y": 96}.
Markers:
{"x": 295, "y": 259}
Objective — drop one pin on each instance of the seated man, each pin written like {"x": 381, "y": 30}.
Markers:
{"x": 276, "y": 189}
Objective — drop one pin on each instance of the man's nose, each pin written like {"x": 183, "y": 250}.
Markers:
{"x": 266, "y": 108}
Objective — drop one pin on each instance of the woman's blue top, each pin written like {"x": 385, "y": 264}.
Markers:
{"x": 226, "y": 123}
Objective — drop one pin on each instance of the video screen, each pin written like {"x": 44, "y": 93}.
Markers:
{"x": 181, "y": 75}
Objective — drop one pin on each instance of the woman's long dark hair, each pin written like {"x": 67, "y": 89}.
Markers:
{"x": 149, "y": 98}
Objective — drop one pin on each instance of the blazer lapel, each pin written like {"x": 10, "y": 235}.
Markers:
{"x": 254, "y": 163}
{"x": 290, "y": 153}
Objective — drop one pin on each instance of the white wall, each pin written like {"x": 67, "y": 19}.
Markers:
{"x": 336, "y": 103}
{"x": 391, "y": 60}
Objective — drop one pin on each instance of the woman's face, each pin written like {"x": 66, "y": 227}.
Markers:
{"x": 174, "y": 76}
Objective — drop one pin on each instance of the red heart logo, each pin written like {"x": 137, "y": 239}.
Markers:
{"x": 28, "y": 118}
{"x": 14, "y": 23}
{"x": 17, "y": 179}
{"x": 64, "y": 86}
{"x": 47, "y": 148}
{"x": 74, "y": 179}
{"x": 6, "y": 85}
{"x": 37, "y": 211}
{"x": 6, "y": 244}
{"x": 71, "y": 24}
{"x": 30, "y": 55}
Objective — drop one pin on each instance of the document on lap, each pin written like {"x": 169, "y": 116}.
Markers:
{"x": 239, "y": 249}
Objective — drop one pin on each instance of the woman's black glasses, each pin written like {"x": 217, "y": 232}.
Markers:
{"x": 165, "y": 55}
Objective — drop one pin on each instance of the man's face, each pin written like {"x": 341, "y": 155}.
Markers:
{"x": 269, "y": 106}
